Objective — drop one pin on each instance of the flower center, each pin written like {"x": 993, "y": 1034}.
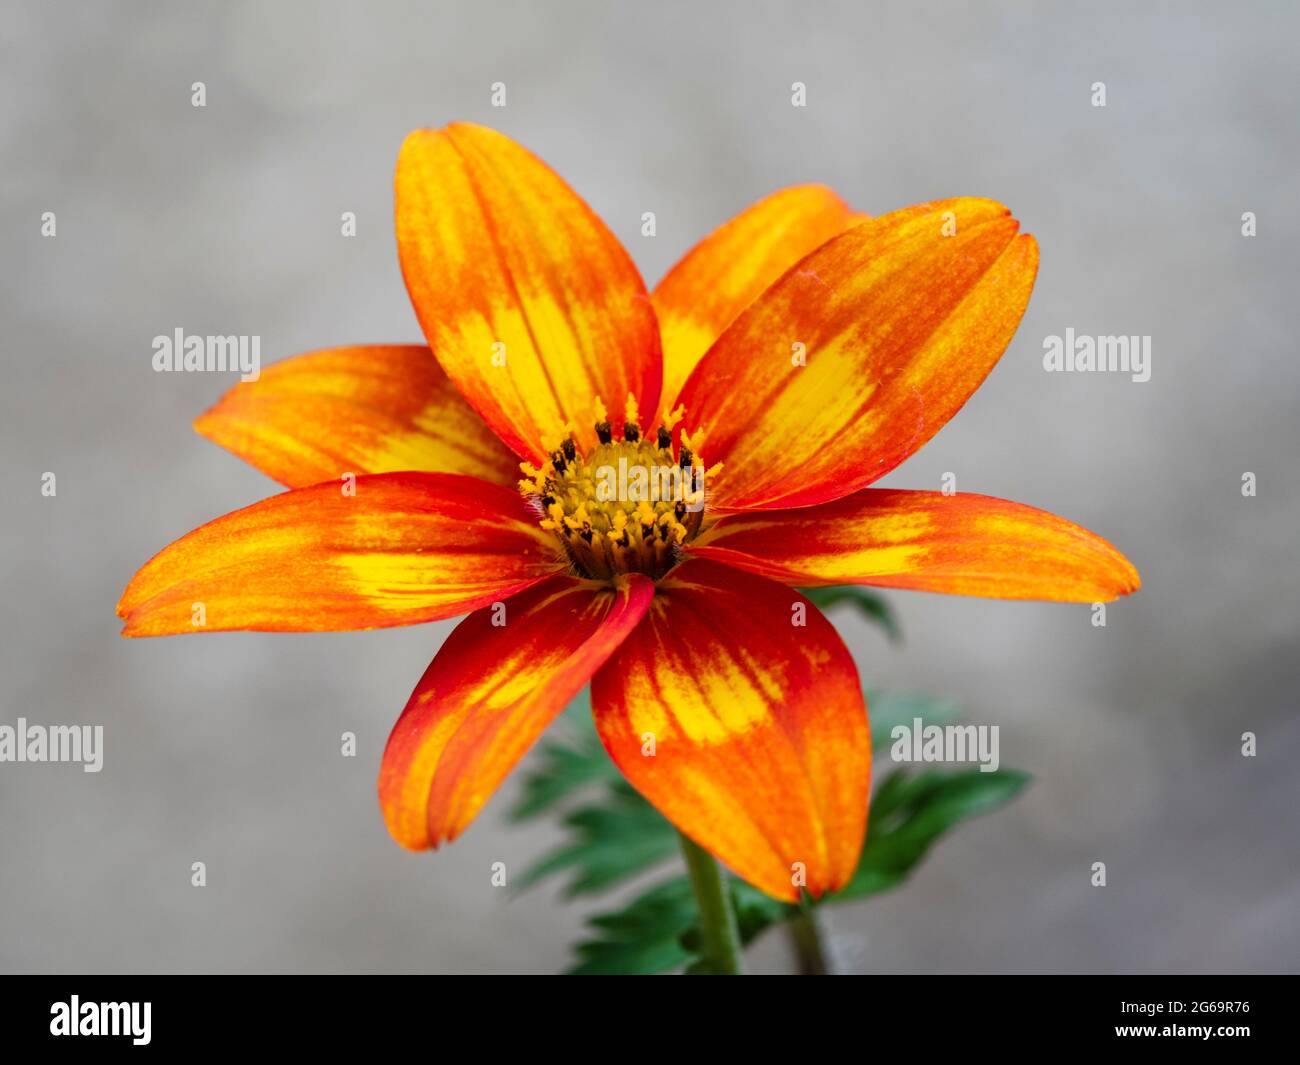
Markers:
{"x": 627, "y": 507}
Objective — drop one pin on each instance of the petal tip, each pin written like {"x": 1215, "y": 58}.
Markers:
{"x": 1027, "y": 245}
{"x": 205, "y": 424}
{"x": 1130, "y": 581}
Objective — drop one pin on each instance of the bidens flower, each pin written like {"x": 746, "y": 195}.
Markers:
{"x": 793, "y": 357}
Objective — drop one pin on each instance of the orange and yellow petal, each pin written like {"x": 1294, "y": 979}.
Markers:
{"x": 530, "y": 303}
{"x": 960, "y": 544}
{"x": 502, "y": 676}
{"x": 855, "y": 358}
{"x": 403, "y": 548}
{"x": 730, "y": 268}
{"x": 735, "y": 709}
{"x": 374, "y": 408}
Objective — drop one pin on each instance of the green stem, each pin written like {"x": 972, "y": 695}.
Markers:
{"x": 806, "y": 934}
{"x": 718, "y": 932}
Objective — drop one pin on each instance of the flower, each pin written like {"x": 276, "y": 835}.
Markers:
{"x": 804, "y": 349}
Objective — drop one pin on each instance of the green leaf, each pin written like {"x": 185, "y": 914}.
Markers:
{"x": 872, "y": 604}
{"x": 755, "y": 912}
{"x": 890, "y": 709}
{"x": 609, "y": 842}
{"x": 910, "y": 811}
{"x": 570, "y": 760}
{"x": 642, "y": 938}
{"x": 614, "y": 835}
{"x": 656, "y": 932}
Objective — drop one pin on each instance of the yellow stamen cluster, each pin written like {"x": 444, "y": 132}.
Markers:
{"x": 629, "y": 505}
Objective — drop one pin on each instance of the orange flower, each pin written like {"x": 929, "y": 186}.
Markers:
{"x": 806, "y": 351}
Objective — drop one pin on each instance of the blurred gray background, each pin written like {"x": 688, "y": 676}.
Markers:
{"x": 225, "y": 749}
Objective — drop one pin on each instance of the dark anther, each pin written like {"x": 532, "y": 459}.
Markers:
{"x": 665, "y": 440}
{"x": 679, "y": 510}
{"x": 686, "y": 459}
{"x": 557, "y": 460}
{"x": 586, "y": 533}
{"x": 604, "y": 433}
{"x": 548, "y": 500}
{"x": 663, "y": 532}
{"x": 631, "y": 432}
{"x": 570, "y": 452}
